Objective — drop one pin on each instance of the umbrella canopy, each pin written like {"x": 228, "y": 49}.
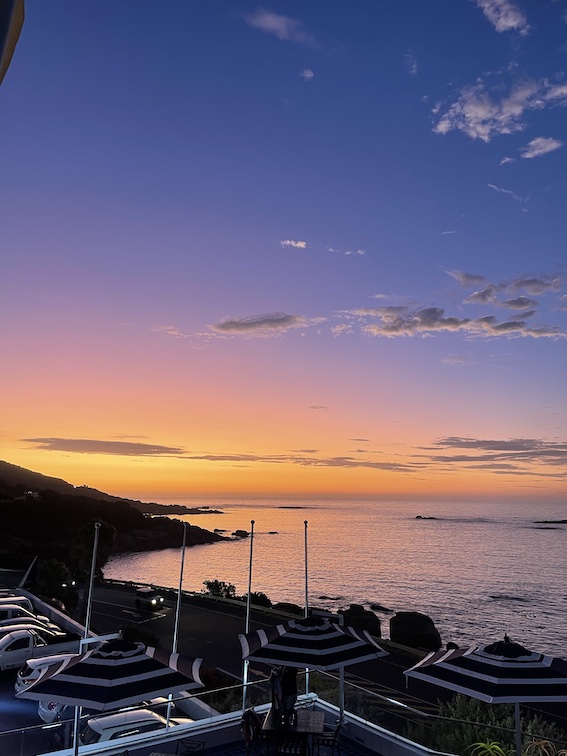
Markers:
{"x": 118, "y": 673}
{"x": 314, "y": 642}
{"x": 503, "y": 672}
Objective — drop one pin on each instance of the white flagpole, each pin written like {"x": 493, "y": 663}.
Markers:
{"x": 86, "y": 632}
{"x": 247, "y": 623}
{"x": 177, "y": 614}
{"x": 306, "y": 613}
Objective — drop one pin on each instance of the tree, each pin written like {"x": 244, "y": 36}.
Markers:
{"x": 220, "y": 588}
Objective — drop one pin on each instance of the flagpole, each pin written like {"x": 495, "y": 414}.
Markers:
{"x": 177, "y": 614}
{"x": 247, "y": 623}
{"x": 78, "y": 709}
{"x": 306, "y": 613}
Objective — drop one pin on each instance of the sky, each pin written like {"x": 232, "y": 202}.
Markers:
{"x": 287, "y": 249}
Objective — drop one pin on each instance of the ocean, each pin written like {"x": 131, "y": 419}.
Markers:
{"x": 479, "y": 570}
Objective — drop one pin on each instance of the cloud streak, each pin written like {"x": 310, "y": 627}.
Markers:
{"x": 96, "y": 446}
{"x": 270, "y": 324}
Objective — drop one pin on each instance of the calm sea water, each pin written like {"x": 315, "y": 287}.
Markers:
{"x": 478, "y": 570}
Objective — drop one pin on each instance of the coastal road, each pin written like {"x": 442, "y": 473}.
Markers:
{"x": 207, "y": 628}
{"x": 210, "y": 629}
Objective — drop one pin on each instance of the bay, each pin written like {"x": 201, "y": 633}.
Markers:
{"x": 478, "y": 569}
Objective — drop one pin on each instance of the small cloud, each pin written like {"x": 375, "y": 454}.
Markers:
{"x": 507, "y": 191}
{"x": 271, "y": 324}
{"x": 456, "y": 359}
{"x": 355, "y": 252}
{"x": 519, "y": 303}
{"x": 506, "y": 160}
{"x": 540, "y": 146}
{"x": 171, "y": 331}
{"x": 466, "y": 279}
{"x": 411, "y": 63}
{"x": 447, "y": 233}
{"x": 318, "y": 407}
{"x": 536, "y": 286}
{"x": 504, "y": 16}
{"x": 488, "y": 294}
{"x": 307, "y": 74}
{"x": 283, "y": 27}
{"x": 292, "y": 243}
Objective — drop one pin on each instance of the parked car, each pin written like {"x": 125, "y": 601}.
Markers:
{"x": 51, "y": 711}
{"x": 31, "y": 622}
{"x": 149, "y": 598}
{"x": 124, "y": 724}
{"x": 32, "y": 668}
{"x": 10, "y": 611}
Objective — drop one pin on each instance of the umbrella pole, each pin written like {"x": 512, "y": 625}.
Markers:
{"x": 518, "y": 724}
{"x": 77, "y": 719}
{"x": 177, "y": 615}
{"x": 247, "y": 623}
{"x": 306, "y": 613}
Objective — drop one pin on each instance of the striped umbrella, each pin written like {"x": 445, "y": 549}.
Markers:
{"x": 313, "y": 642}
{"x": 118, "y": 673}
{"x": 503, "y": 672}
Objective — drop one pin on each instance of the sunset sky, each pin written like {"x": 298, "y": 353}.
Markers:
{"x": 298, "y": 248}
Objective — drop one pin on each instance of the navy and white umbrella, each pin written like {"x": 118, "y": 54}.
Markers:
{"x": 314, "y": 643}
{"x": 503, "y": 672}
{"x": 116, "y": 674}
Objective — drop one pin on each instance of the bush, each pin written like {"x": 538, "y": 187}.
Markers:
{"x": 470, "y": 723}
{"x": 220, "y": 588}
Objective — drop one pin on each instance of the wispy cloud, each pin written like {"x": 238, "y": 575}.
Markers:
{"x": 347, "y": 252}
{"x": 293, "y": 243}
{"x": 509, "y": 192}
{"x": 482, "y": 114}
{"x": 504, "y": 15}
{"x": 307, "y": 74}
{"x": 447, "y": 233}
{"x": 318, "y": 407}
{"x": 170, "y": 331}
{"x": 506, "y": 160}
{"x": 271, "y": 324}
{"x": 456, "y": 359}
{"x": 96, "y": 446}
{"x": 540, "y": 146}
{"x": 282, "y": 27}
{"x": 411, "y": 63}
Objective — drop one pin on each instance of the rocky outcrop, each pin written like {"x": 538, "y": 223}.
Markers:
{"x": 414, "y": 630}
{"x": 363, "y": 619}
{"x": 161, "y": 533}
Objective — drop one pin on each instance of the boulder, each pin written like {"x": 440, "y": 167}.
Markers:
{"x": 414, "y": 630}
{"x": 363, "y": 619}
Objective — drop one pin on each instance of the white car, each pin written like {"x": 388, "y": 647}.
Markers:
{"x": 124, "y": 724}
{"x": 51, "y": 711}
{"x": 31, "y": 669}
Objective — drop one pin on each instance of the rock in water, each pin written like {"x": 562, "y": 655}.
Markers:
{"x": 359, "y": 617}
{"x": 414, "y": 630}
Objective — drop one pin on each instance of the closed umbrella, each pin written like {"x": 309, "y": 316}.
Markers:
{"x": 503, "y": 672}
{"x": 117, "y": 674}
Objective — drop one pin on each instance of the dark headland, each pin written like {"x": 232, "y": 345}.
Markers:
{"x": 52, "y": 519}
